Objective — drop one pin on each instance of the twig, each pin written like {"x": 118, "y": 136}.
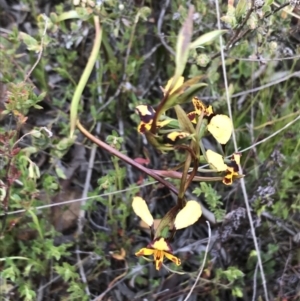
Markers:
{"x": 275, "y": 82}
{"x": 41, "y": 50}
{"x": 283, "y": 272}
{"x": 243, "y": 186}
{"x": 113, "y": 283}
{"x": 279, "y": 7}
{"x": 264, "y": 59}
{"x": 159, "y": 25}
{"x": 255, "y": 282}
{"x": 82, "y": 272}
{"x": 203, "y": 264}
{"x": 269, "y": 137}
{"x": 79, "y": 200}
{"x": 237, "y": 36}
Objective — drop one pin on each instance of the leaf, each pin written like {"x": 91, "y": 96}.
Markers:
{"x": 157, "y": 142}
{"x": 241, "y": 8}
{"x": 184, "y": 121}
{"x": 60, "y": 173}
{"x": 189, "y": 93}
{"x": 186, "y": 95}
{"x": 142, "y": 161}
{"x": 31, "y": 43}
{"x": 36, "y": 222}
{"x": 183, "y": 44}
{"x": 206, "y": 38}
{"x": 166, "y": 222}
{"x": 171, "y": 101}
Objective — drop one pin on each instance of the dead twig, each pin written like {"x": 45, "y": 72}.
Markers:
{"x": 243, "y": 186}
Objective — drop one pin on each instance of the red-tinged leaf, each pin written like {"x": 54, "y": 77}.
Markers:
{"x": 15, "y": 151}
{"x": 142, "y": 161}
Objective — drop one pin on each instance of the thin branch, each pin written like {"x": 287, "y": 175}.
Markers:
{"x": 237, "y": 35}
{"x": 41, "y": 50}
{"x": 249, "y": 59}
{"x": 82, "y": 272}
{"x": 159, "y": 26}
{"x": 277, "y": 9}
{"x": 273, "y": 83}
{"x": 255, "y": 283}
{"x": 79, "y": 200}
{"x": 243, "y": 186}
{"x": 203, "y": 264}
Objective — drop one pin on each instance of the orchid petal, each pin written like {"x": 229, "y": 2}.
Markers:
{"x": 141, "y": 210}
{"x": 216, "y": 160}
{"x": 188, "y": 215}
{"x": 221, "y": 128}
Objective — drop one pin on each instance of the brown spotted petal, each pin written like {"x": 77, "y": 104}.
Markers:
{"x": 232, "y": 171}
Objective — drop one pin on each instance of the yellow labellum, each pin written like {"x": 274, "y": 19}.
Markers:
{"x": 221, "y": 128}
{"x": 141, "y": 210}
{"x": 216, "y": 160}
{"x": 188, "y": 215}
{"x": 159, "y": 249}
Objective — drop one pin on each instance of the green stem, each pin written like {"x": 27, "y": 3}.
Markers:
{"x": 85, "y": 76}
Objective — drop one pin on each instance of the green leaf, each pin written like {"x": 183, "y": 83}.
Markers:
{"x": 31, "y": 43}
{"x": 157, "y": 142}
{"x": 241, "y": 8}
{"x": 184, "y": 121}
{"x": 188, "y": 94}
{"x": 60, "y": 173}
{"x": 66, "y": 271}
{"x": 36, "y": 222}
{"x": 237, "y": 292}
{"x": 206, "y": 38}
{"x": 189, "y": 88}
{"x": 165, "y": 223}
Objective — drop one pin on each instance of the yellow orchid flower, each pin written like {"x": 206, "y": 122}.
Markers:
{"x": 146, "y": 114}
{"x": 199, "y": 107}
{"x": 221, "y": 127}
{"x": 159, "y": 249}
{"x": 187, "y": 216}
{"x": 232, "y": 169}
{"x": 230, "y": 174}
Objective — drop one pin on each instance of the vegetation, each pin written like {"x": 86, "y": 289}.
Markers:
{"x": 134, "y": 131}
